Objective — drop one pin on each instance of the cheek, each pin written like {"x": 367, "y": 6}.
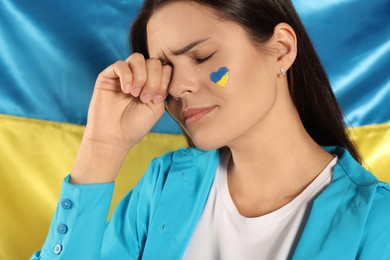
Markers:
{"x": 252, "y": 92}
{"x": 220, "y": 77}
{"x": 254, "y": 77}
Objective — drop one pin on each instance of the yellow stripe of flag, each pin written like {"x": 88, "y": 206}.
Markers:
{"x": 35, "y": 157}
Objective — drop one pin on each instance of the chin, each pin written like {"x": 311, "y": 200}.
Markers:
{"x": 207, "y": 143}
{"x": 208, "y": 137}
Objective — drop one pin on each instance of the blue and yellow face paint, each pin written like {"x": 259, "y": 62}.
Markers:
{"x": 220, "y": 77}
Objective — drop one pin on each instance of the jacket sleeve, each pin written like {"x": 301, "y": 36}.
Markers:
{"x": 79, "y": 229}
{"x": 78, "y": 225}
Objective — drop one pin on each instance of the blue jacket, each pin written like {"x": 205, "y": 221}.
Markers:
{"x": 350, "y": 219}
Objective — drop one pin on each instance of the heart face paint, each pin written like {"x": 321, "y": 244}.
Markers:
{"x": 220, "y": 77}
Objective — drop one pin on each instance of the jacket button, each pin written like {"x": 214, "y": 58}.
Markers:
{"x": 57, "y": 249}
{"x": 62, "y": 228}
{"x": 67, "y": 204}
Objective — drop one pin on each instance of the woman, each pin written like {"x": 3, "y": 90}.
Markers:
{"x": 274, "y": 175}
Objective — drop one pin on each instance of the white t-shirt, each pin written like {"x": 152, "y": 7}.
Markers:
{"x": 222, "y": 233}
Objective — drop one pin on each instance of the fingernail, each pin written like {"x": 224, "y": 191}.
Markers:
{"x": 146, "y": 98}
{"x": 127, "y": 88}
{"x": 136, "y": 92}
{"x": 157, "y": 99}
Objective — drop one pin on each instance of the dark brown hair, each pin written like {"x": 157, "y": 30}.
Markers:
{"x": 308, "y": 83}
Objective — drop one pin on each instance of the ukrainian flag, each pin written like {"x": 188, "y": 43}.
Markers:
{"x": 352, "y": 39}
{"x": 52, "y": 51}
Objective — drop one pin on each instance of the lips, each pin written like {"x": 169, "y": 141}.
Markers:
{"x": 193, "y": 115}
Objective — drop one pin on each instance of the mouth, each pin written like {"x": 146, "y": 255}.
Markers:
{"x": 192, "y": 115}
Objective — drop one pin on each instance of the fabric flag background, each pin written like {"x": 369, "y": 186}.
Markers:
{"x": 52, "y": 51}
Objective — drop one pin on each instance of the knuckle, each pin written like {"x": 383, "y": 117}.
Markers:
{"x": 136, "y": 56}
{"x": 119, "y": 63}
{"x": 128, "y": 77}
{"x": 139, "y": 78}
{"x": 101, "y": 74}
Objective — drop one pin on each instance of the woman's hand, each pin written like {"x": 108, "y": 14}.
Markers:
{"x": 127, "y": 101}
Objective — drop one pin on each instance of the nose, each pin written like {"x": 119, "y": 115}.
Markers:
{"x": 182, "y": 83}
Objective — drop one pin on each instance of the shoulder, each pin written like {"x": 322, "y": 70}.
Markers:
{"x": 361, "y": 186}
{"x": 381, "y": 203}
{"x": 347, "y": 167}
{"x": 380, "y": 209}
{"x": 371, "y": 199}
{"x": 356, "y": 176}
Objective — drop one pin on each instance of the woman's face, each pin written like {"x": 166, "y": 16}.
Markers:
{"x": 214, "y": 111}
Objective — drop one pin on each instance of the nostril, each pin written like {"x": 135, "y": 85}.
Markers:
{"x": 178, "y": 92}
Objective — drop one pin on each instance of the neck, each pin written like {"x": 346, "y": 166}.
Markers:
{"x": 276, "y": 159}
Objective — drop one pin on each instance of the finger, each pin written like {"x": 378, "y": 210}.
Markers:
{"x": 119, "y": 70}
{"x": 162, "y": 92}
{"x": 151, "y": 88}
{"x": 165, "y": 81}
{"x": 166, "y": 76}
{"x": 137, "y": 65}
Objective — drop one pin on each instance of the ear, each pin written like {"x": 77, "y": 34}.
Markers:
{"x": 284, "y": 42}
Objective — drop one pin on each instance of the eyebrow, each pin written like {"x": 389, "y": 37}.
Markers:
{"x": 188, "y": 47}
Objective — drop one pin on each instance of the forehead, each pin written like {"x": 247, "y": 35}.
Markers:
{"x": 177, "y": 23}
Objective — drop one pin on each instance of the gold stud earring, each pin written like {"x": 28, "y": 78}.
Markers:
{"x": 283, "y": 71}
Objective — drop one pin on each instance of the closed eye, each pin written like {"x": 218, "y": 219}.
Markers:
{"x": 199, "y": 61}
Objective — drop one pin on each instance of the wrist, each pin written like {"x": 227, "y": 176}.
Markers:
{"x": 97, "y": 162}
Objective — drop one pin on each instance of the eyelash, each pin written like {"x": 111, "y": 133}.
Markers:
{"x": 199, "y": 61}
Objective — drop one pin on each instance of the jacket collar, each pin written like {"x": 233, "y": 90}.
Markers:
{"x": 181, "y": 204}
{"x": 333, "y": 228}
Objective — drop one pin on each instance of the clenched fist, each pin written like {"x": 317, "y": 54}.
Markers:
{"x": 126, "y": 103}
